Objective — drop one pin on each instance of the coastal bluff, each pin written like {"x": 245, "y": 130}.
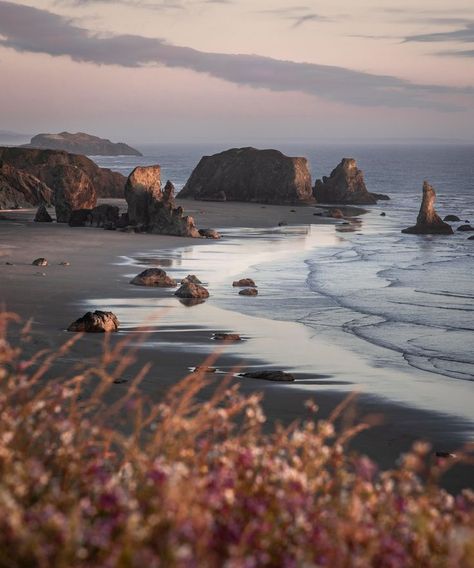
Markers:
{"x": 250, "y": 175}
{"x": 81, "y": 143}
{"x": 49, "y": 167}
{"x": 345, "y": 184}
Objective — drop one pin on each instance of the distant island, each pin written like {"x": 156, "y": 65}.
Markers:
{"x": 81, "y": 143}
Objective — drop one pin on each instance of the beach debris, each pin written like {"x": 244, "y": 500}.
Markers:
{"x": 204, "y": 369}
{"x": 42, "y": 215}
{"x": 191, "y": 278}
{"x": 64, "y": 263}
{"x": 248, "y": 292}
{"x": 250, "y": 175}
{"x": 95, "y": 322}
{"x": 465, "y": 228}
{"x": 209, "y": 233}
{"x": 451, "y": 218}
{"x": 345, "y": 185}
{"x": 244, "y": 282}
{"x": 155, "y": 277}
{"x": 226, "y": 337}
{"x": 40, "y": 262}
{"x": 277, "y": 376}
{"x": 191, "y": 290}
{"x": 428, "y": 221}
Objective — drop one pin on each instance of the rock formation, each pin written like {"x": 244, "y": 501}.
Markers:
{"x": 80, "y": 218}
{"x": 191, "y": 278}
{"x": 465, "y": 228}
{"x": 244, "y": 282}
{"x": 209, "y": 234}
{"x": 192, "y": 291}
{"x": 21, "y": 189}
{"x": 154, "y": 209}
{"x": 248, "y": 292}
{"x": 95, "y": 322}
{"x": 247, "y": 174}
{"x": 155, "y": 277}
{"x": 42, "y": 215}
{"x": 73, "y": 190}
{"x": 452, "y": 218}
{"x": 428, "y": 221}
{"x": 104, "y": 215}
{"x": 81, "y": 143}
{"x": 345, "y": 185}
{"x": 42, "y": 164}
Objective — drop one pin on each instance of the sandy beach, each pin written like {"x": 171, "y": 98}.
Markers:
{"x": 179, "y": 337}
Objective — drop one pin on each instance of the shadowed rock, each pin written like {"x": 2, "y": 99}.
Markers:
{"x": 104, "y": 215}
{"x": 42, "y": 215}
{"x": 96, "y": 322}
{"x": 465, "y": 228}
{"x": 191, "y": 278}
{"x": 227, "y": 337}
{"x": 345, "y": 185}
{"x": 209, "y": 234}
{"x": 191, "y": 290}
{"x": 40, "y": 262}
{"x": 72, "y": 190}
{"x": 248, "y": 292}
{"x": 452, "y": 218}
{"x": 277, "y": 376}
{"x": 155, "y": 210}
{"x": 243, "y": 282}
{"x": 21, "y": 189}
{"x": 155, "y": 277}
{"x": 428, "y": 221}
{"x": 247, "y": 174}
{"x": 80, "y": 217}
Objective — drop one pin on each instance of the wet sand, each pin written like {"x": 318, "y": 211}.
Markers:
{"x": 56, "y": 295}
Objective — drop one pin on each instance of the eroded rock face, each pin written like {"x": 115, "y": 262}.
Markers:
{"x": 191, "y": 290}
{"x": 248, "y": 174}
{"x": 21, "y": 189}
{"x": 72, "y": 190}
{"x": 153, "y": 209}
{"x": 42, "y": 215}
{"x": 40, "y": 163}
{"x": 428, "y": 221}
{"x": 155, "y": 277}
{"x": 96, "y": 322}
{"x": 345, "y": 185}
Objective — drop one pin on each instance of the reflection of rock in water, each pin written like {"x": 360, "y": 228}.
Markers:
{"x": 157, "y": 261}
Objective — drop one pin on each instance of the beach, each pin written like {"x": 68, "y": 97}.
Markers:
{"x": 179, "y": 338}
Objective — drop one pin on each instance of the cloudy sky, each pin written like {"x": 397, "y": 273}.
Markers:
{"x": 239, "y": 70}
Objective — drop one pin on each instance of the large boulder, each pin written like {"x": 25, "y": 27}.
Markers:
{"x": 81, "y": 143}
{"x": 190, "y": 290}
{"x": 40, "y": 163}
{"x": 428, "y": 221}
{"x": 247, "y": 174}
{"x": 72, "y": 190}
{"x": 155, "y": 209}
{"x": 21, "y": 189}
{"x": 95, "y": 322}
{"x": 345, "y": 185}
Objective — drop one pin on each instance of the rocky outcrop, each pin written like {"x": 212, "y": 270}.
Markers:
{"x": 345, "y": 185}
{"x": 276, "y": 376}
{"x": 428, "y": 221}
{"x": 244, "y": 282}
{"x": 464, "y": 228}
{"x": 73, "y": 190}
{"x": 96, "y": 322}
{"x": 190, "y": 290}
{"x": 42, "y": 215}
{"x": 154, "y": 277}
{"x": 21, "y": 189}
{"x": 154, "y": 209}
{"x": 42, "y": 164}
{"x": 248, "y": 292}
{"x": 81, "y": 143}
{"x": 247, "y": 174}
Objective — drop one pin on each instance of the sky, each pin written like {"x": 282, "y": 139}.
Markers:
{"x": 147, "y": 71}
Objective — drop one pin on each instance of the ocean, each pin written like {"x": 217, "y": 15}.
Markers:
{"x": 402, "y": 302}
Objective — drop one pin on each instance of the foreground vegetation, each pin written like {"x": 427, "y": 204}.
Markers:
{"x": 183, "y": 483}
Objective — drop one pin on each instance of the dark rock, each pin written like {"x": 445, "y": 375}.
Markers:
{"x": 80, "y": 218}
{"x": 72, "y": 190}
{"x": 40, "y": 262}
{"x": 123, "y": 221}
{"x": 382, "y": 214}
{"x": 42, "y": 215}
{"x": 153, "y": 208}
{"x": 471, "y": 238}
{"x": 192, "y": 278}
{"x": 227, "y": 337}
{"x": 81, "y": 143}
{"x": 247, "y": 174}
{"x": 345, "y": 185}
{"x": 96, "y": 322}
{"x": 191, "y": 290}
{"x": 292, "y": 210}
{"x": 204, "y": 369}
{"x": 282, "y": 224}
{"x": 42, "y": 164}
{"x": 248, "y": 292}
{"x": 336, "y": 214}
{"x": 465, "y": 228}
{"x": 244, "y": 282}
{"x": 277, "y": 376}
{"x": 428, "y": 221}
{"x": 104, "y": 214}
{"x": 452, "y": 218}
{"x": 155, "y": 277}
{"x": 21, "y": 189}
{"x": 209, "y": 233}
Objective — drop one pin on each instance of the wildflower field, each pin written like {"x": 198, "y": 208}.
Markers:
{"x": 186, "y": 483}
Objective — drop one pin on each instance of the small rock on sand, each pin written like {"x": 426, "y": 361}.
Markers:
{"x": 95, "y": 322}
{"x": 204, "y": 369}
{"x": 40, "y": 262}
{"x": 209, "y": 234}
{"x": 248, "y": 292}
{"x": 191, "y": 290}
{"x": 243, "y": 282}
{"x": 154, "y": 277}
{"x": 227, "y": 337}
{"x": 277, "y": 376}
{"x": 452, "y": 218}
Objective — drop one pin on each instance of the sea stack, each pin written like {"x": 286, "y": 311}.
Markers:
{"x": 251, "y": 175}
{"x": 428, "y": 221}
{"x": 153, "y": 209}
{"x": 345, "y": 185}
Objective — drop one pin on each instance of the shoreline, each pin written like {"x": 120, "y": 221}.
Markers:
{"x": 93, "y": 254}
